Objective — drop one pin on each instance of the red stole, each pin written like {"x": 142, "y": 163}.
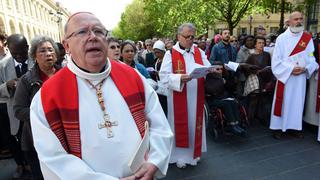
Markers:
{"x": 180, "y": 105}
{"x": 318, "y": 89}
{"x": 60, "y": 103}
{"x": 300, "y": 46}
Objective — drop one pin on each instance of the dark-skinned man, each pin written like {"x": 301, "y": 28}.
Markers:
{"x": 11, "y": 69}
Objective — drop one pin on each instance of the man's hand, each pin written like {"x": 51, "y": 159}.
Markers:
{"x": 12, "y": 84}
{"x": 185, "y": 78}
{"x": 146, "y": 171}
{"x": 298, "y": 70}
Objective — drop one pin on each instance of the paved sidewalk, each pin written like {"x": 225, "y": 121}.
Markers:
{"x": 257, "y": 156}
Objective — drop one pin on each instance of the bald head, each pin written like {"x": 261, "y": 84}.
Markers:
{"x": 17, "y": 39}
{"x": 85, "y": 41}
{"x": 295, "y": 14}
{"x": 72, "y": 17}
{"x": 18, "y": 47}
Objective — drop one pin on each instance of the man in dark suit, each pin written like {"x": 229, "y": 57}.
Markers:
{"x": 12, "y": 68}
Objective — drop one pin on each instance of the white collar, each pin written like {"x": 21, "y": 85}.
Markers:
{"x": 182, "y": 51}
{"x": 90, "y": 76}
{"x": 16, "y": 63}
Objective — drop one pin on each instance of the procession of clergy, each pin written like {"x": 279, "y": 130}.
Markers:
{"x": 99, "y": 117}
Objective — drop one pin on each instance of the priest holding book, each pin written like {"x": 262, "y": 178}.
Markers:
{"x": 292, "y": 64}
{"x": 185, "y": 97}
{"x": 88, "y": 121}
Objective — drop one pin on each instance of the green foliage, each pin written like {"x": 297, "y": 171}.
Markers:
{"x": 232, "y": 11}
{"x": 169, "y": 14}
{"x": 149, "y": 18}
{"x": 134, "y": 24}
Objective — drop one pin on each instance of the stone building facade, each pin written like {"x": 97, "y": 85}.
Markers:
{"x": 33, "y": 17}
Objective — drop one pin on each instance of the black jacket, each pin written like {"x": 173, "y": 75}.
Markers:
{"x": 27, "y": 87}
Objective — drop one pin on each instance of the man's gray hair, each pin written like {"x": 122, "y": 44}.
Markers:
{"x": 189, "y": 25}
{"x": 294, "y": 13}
{"x": 38, "y": 41}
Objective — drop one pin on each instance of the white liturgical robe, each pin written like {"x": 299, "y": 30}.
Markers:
{"x": 183, "y": 155}
{"x": 295, "y": 86}
{"x": 102, "y": 157}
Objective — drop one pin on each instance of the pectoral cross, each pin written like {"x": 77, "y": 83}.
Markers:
{"x": 180, "y": 67}
{"x": 108, "y": 125}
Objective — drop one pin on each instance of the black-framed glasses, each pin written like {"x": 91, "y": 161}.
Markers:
{"x": 97, "y": 31}
{"x": 233, "y": 41}
{"x": 114, "y": 47}
{"x": 191, "y": 37}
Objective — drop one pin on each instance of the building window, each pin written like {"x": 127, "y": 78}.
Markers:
{"x": 17, "y": 4}
{"x": 255, "y": 30}
{"x": 274, "y": 29}
{"x": 243, "y": 31}
{"x": 9, "y": 5}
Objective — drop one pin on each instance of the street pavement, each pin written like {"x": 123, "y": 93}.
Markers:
{"x": 255, "y": 157}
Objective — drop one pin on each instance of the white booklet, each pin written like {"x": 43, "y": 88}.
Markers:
{"x": 139, "y": 156}
{"x": 298, "y": 60}
{"x": 201, "y": 71}
{"x": 233, "y": 66}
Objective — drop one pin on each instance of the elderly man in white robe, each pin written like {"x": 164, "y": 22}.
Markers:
{"x": 88, "y": 120}
{"x": 185, "y": 97}
{"x": 292, "y": 63}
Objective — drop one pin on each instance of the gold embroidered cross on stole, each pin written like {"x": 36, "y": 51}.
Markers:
{"x": 180, "y": 67}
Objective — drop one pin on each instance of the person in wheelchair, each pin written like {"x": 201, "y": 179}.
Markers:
{"x": 219, "y": 97}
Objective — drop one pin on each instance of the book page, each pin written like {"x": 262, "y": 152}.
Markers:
{"x": 139, "y": 156}
{"x": 298, "y": 60}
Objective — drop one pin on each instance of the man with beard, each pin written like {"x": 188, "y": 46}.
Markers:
{"x": 223, "y": 51}
{"x": 292, "y": 64}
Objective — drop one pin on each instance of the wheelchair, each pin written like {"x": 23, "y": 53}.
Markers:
{"x": 216, "y": 120}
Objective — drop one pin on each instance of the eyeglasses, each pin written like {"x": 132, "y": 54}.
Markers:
{"x": 148, "y": 44}
{"x": 233, "y": 41}
{"x": 114, "y": 47}
{"x": 99, "y": 32}
{"x": 191, "y": 37}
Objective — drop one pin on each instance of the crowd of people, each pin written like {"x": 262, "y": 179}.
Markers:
{"x": 91, "y": 106}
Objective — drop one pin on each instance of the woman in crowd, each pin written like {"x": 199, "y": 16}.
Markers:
{"x": 159, "y": 51}
{"x": 262, "y": 80}
{"x": 44, "y": 51}
{"x": 113, "y": 49}
{"x": 128, "y": 51}
{"x": 234, "y": 42}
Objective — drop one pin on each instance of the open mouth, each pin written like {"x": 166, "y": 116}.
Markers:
{"x": 93, "y": 50}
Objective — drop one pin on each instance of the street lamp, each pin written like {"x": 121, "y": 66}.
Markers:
{"x": 57, "y": 18}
